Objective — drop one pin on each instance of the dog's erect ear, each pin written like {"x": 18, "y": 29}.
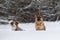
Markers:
{"x": 35, "y": 16}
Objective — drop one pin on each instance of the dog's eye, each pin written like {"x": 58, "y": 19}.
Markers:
{"x": 38, "y": 17}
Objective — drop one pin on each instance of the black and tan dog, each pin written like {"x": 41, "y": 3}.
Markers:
{"x": 14, "y": 25}
{"x": 39, "y": 22}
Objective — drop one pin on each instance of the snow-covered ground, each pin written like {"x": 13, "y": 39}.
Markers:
{"x": 50, "y": 26}
{"x": 52, "y": 32}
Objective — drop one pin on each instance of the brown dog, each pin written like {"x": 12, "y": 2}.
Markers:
{"x": 39, "y": 22}
{"x": 14, "y": 25}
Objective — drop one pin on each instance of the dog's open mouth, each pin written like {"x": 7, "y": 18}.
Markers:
{"x": 38, "y": 19}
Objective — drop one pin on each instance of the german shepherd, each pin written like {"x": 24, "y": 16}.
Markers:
{"x": 39, "y": 22}
{"x": 14, "y": 25}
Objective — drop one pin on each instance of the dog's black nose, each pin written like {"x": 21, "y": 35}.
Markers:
{"x": 38, "y": 19}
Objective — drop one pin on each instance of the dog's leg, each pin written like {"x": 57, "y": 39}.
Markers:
{"x": 18, "y": 29}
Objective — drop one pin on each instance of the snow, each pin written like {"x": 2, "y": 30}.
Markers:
{"x": 1, "y": 20}
{"x": 52, "y": 32}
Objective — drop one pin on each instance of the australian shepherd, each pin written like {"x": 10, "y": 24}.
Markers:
{"x": 15, "y": 26}
{"x": 39, "y": 22}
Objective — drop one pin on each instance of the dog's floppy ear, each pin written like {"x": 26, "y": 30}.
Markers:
{"x": 11, "y": 23}
{"x": 17, "y": 22}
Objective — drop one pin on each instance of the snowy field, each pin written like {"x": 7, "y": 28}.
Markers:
{"x": 52, "y": 32}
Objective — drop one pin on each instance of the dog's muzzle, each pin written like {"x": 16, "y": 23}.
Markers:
{"x": 38, "y": 19}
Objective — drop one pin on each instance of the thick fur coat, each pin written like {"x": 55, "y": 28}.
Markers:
{"x": 39, "y": 23}
{"x": 15, "y": 26}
